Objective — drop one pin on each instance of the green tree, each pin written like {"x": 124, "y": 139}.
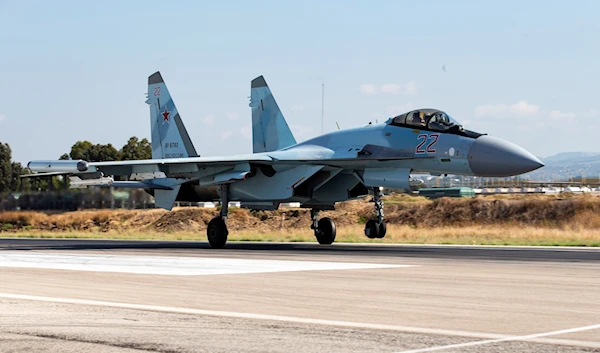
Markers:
{"x": 103, "y": 153}
{"x": 93, "y": 153}
{"x": 135, "y": 149}
{"x": 5, "y": 167}
{"x": 15, "y": 175}
{"x": 81, "y": 150}
{"x": 24, "y": 183}
{"x": 10, "y": 172}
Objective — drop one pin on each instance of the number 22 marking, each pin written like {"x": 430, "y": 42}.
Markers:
{"x": 433, "y": 138}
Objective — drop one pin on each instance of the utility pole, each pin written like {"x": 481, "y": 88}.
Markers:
{"x": 322, "y": 106}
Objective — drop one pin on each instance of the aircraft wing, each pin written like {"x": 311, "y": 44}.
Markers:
{"x": 313, "y": 155}
{"x": 61, "y": 167}
{"x": 227, "y": 160}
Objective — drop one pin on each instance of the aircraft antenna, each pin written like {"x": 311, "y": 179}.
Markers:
{"x": 322, "y": 106}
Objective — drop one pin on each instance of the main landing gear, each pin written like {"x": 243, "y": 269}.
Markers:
{"x": 324, "y": 228}
{"x": 217, "y": 227}
{"x": 376, "y": 228}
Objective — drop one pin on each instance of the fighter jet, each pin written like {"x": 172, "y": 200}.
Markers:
{"x": 318, "y": 173}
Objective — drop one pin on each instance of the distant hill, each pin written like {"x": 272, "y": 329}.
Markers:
{"x": 568, "y": 165}
{"x": 571, "y": 157}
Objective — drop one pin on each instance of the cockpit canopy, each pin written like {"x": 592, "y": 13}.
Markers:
{"x": 429, "y": 119}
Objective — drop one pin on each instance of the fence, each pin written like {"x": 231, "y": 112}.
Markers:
{"x": 77, "y": 199}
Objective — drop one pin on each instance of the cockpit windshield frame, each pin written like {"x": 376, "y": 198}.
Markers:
{"x": 432, "y": 120}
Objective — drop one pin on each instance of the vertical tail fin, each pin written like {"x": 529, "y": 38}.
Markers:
{"x": 169, "y": 137}
{"x": 270, "y": 131}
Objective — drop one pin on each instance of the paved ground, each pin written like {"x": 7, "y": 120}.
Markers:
{"x": 77, "y": 296}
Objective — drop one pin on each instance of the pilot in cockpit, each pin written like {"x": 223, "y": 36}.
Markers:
{"x": 439, "y": 121}
{"x": 416, "y": 119}
{"x": 431, "y": 119}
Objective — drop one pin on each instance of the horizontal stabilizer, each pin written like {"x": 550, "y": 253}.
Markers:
{"x": 166, "y": 198}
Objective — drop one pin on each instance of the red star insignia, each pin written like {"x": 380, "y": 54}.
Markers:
{"x": 165, "y": 115}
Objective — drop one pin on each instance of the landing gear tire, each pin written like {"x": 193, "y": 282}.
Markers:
{"x": 372, "y": 229}
{"x": 217, "y": 233}
{"x": 376, "y": 228}
{"x": 382, "y": 230}
{"x": 326, "y": 231}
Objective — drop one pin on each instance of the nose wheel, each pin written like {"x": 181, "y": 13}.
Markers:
{"x": 376, "y": 228}
{"x": 324, "y": 228}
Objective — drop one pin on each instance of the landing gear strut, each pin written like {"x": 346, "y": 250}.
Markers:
{"x": 217, "y": 227}
{"x": 376, "y": 228}
{"x": 324, "y": 228}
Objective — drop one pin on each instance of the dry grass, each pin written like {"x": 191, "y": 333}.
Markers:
{"x": 521, "y": 220}
{"x": 475, "y": 235}
{"x": 479, "y": 235}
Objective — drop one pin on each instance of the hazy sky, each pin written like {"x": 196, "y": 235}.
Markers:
{"x": 525, "y": 71}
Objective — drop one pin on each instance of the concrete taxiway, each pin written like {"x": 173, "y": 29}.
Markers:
{"x": 120, "y": 296}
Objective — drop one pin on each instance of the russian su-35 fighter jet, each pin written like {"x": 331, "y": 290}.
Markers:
{"x": 317, "y": 173}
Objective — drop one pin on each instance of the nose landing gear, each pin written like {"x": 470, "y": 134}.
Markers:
{"x": 376, "y": 228}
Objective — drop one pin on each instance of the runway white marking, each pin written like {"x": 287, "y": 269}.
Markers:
{"x": 505, "y": 339}
{"x": 167, "y": 265}
{"x": 302, "y": 320}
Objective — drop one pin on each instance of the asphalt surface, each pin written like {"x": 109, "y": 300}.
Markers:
{"x": 420, "y": 298}
{"x": 509, "y": 253}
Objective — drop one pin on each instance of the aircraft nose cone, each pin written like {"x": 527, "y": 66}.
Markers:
{"x": 493, "y": 157}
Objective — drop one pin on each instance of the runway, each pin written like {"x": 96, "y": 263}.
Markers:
{"x": 132, "y": 296}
